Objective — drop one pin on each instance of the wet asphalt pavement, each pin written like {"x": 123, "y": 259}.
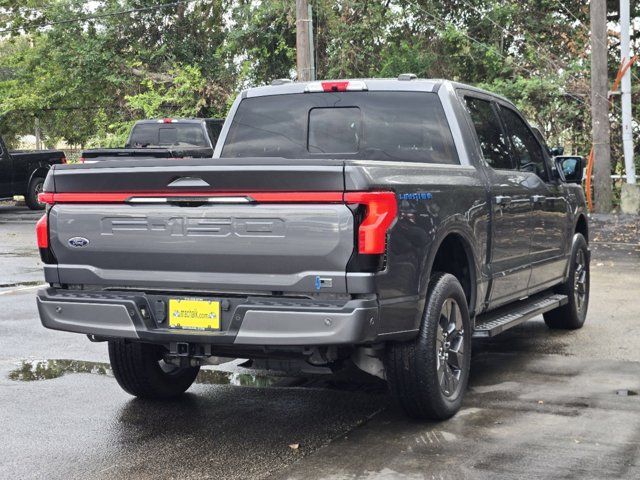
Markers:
{"x": 541, "y": 404}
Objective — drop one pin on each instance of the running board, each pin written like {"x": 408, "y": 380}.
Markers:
{"x": 504, "y": 318}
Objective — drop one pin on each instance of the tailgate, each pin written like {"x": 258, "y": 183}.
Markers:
{"x": 232, "y": 228}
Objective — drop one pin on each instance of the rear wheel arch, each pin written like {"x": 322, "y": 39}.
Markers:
{"x": 40, "y": 172}
{"x": 454, "y": 254}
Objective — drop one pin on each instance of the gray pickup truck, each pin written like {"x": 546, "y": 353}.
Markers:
{"x": 382, "y": 223}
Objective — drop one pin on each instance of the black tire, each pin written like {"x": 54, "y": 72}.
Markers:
{"x": 140, "y": 371}
{"x": 572, "y": 315}
{"x": 417, "y": 369}
{"x": 31, "y": 198}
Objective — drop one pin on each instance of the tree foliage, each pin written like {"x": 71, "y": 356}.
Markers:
{"x": 87, "y": 70}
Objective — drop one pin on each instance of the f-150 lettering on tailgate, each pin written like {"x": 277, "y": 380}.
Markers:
{"x": 195, "y": 226}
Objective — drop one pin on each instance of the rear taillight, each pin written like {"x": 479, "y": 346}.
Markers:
{"x": 42, "y": 235}
{"x": 381, "y": 211}
{"x": 81, "y": 160}
{"x": 42, "y": 232}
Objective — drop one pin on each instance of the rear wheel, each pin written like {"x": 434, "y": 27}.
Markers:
{"x": 429, "y": 375}
{"x": 572, "y": 315}
{"x": 141, "y": 371}
{"x": 31, "y": 198}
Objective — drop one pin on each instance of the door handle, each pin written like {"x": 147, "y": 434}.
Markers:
{"x": 502, "y": 200}
{"x": 538, "y": 198}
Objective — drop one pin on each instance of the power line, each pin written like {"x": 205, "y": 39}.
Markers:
{"x": 489, "y": 47}
{"x": 588, "y": 30}
{"x": 96, "y": 16}
{"x": 87, "y": 109}
{"x": 438, "y": 19}
{"x": 486, "y": 16}
{"x": 547, "y": 58}
{"x": 571, "y": 14}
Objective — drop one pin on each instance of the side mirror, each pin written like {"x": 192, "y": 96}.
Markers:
{"x": 570, "y": 168}
{"x": 556, "y": 151}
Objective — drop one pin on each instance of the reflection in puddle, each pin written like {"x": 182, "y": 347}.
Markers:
{"x": 239, "y": 379}
{"x": 48, "y": 369}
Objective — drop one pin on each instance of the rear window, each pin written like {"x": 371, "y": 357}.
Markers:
{"x": 168, "y": 135}
{"x": 404, "y": 126}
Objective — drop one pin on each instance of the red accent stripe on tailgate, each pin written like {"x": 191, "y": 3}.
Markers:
{"x": 263, "y": 197}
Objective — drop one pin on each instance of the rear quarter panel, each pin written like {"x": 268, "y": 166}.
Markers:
{"x": 433, "y": 201}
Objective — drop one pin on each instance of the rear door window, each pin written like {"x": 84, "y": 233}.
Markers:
{"x": 403, "y": 126}
{"x": 492, "y": 138}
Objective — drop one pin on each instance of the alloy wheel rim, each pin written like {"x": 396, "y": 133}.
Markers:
{"x": 580, "y": 280}
{"x": 39, "y": 188}
{"x": 450, "y": 348}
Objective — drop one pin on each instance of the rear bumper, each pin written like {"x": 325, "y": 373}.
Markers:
{"x": 268, "y": 321}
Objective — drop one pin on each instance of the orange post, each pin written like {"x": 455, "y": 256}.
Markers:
{"x": 587, "y": 186}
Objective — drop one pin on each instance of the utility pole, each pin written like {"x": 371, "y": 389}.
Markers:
{"x": 600, "y": 107}
{"x": 312, "y": 52}
{"x": 625, "y": 89}
{"x": 36, "y": 125}
{"x": 303, "y": 50}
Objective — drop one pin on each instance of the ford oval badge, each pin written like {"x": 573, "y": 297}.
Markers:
{"x": 78, "y": 242}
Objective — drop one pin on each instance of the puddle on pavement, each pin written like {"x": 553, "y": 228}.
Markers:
{"x": 30, "y": 371}
{"x": 22, "y": 284}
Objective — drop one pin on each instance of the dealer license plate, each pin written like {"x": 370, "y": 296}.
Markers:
{"x": 193, "y": 314}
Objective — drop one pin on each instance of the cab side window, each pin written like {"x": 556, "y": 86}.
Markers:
{"x": 493, "y": 141}
{"x": 526, "y": 148}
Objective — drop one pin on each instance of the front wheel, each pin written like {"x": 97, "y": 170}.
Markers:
{"x": 429, "y": 375}
{"x": 572, "y": 315}
{"x": 141, "y": 371}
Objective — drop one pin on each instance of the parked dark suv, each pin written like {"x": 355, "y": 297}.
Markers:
{"x": 377, "y": 222}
